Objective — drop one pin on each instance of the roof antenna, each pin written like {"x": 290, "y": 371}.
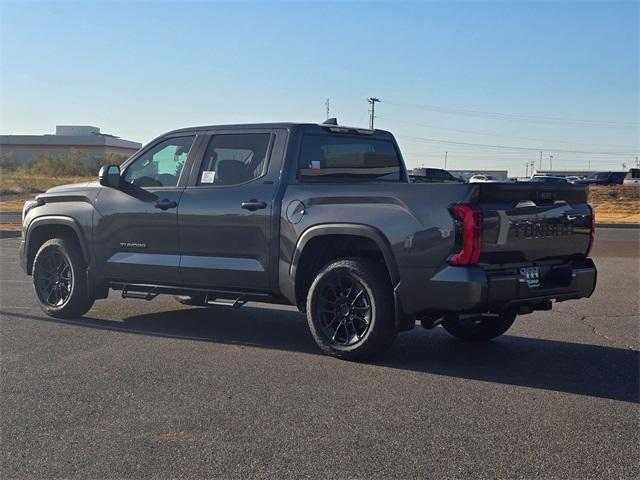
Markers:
{"x": 330, "y": 121}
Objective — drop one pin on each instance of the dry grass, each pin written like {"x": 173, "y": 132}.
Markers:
{"x": 10, "y": 227}
{"x": 615, "y": 204}
{"x": 14, "y": 205}
{"x": 11, "y": 184}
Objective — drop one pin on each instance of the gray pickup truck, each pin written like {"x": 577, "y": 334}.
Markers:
{"x": 319, "y": 216}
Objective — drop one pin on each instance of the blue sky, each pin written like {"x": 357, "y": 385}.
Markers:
{"x": 473, "y": 79}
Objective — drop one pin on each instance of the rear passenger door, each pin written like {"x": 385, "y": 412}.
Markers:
{"x": 226, "y": 211}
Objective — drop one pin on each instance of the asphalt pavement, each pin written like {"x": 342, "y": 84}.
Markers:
{"x": 155, "y": 389}
{"x": 11, "y": 217}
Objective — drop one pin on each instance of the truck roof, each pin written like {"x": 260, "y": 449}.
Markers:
{"x": 306, "y": 127}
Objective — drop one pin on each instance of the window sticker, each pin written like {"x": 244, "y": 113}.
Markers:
{"x": 208, "y": 176}
{"x": 315, "y": 165}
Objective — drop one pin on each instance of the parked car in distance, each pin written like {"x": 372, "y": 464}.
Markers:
{"x": 573, "y": 178}
{"x": 548, "y": 179}
{"x": 632, "y": 178}
{"x": 427, "y": 175}
{"x": 604, "y": 178}
{"x": 318, "y": 216}
{"x": 483, "y": 179}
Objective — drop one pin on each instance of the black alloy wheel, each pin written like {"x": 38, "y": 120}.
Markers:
{"x": 60, "y": 279}
{"x": 53, "y": 279}
{"x": 345, "y": 310}
{"x": 350, "y": 309}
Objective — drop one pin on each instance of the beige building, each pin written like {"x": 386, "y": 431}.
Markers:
{"x": 87, "y": 140}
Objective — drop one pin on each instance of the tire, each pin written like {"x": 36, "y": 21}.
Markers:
{"x": 59, "y": 279}
{"x": 195, "y": 300}
{"x": 356, "y": 324}
{"x": 480, "y": 328}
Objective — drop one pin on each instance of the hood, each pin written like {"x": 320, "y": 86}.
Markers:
{"x": 85, "y": 189}
{"x": 71, "y": 187}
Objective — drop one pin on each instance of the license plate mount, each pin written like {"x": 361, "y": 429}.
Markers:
{"x": 531, "y": 276}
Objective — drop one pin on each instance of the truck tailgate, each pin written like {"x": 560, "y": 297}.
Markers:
{"x": 525, "y": 223}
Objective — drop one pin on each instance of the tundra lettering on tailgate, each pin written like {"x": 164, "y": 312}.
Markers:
{"x": 529, "y": 229}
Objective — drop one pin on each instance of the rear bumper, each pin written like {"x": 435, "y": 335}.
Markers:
{"x": 461, "y": 289}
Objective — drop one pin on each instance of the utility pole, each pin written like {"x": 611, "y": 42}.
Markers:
{"x": 372, "y": 110}
{"x": 541, "y": 160}
{"x": 637, "y": 162}
{"x": 551, "y": 162}
{"x": 445, "y": 160}
{"x": 326, "y": 104}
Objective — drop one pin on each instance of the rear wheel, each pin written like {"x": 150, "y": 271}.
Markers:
{"x": 59, "y": 279}
{"x": 350, "y": 309}
{"x": 479, "y": 327}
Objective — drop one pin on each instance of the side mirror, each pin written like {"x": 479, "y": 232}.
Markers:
{"x": 109, "y": 176}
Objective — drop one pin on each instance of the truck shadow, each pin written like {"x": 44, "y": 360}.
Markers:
{"x": 591, "y": 370}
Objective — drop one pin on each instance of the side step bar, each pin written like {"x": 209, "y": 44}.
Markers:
{"x": 227, "y": 298}
{"x": 127, "y": 293}
{"x": 237, "y": 303}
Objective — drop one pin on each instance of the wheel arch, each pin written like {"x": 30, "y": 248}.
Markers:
{"x": 47, "y": 227}
{"x": 357, "y": 240}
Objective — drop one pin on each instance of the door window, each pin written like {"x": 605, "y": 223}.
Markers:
{"x": 162, "y": 165}
{"x": 232, "y": 159}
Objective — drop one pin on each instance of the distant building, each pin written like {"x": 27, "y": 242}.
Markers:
{"x": 25, "y": 149}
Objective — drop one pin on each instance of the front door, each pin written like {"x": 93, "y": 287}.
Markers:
{"x": 225, "y": 213}
{"x": 136, "y": 227}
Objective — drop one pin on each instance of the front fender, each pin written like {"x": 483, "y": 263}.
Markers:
{"x": 47, "y": 221}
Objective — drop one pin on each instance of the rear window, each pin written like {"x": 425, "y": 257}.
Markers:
{"x": 327, "y": 158}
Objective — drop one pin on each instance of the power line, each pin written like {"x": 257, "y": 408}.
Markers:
{"x": 516, "y": 117}
{"x": 475, "y": 132}
{"x": 511, "y": 147}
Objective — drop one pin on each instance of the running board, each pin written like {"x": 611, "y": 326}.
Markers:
{"x": 226, "y": 298}
{"x": 141, "y": 295}
{"x": 237, "y": 303}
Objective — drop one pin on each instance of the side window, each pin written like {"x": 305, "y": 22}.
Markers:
{"x": 162, "y": 165}
{"x": 232, "y": 159}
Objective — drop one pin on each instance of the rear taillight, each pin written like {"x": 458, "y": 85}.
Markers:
{"x": 468, "y": 227}
{"x": 592, "y": 239}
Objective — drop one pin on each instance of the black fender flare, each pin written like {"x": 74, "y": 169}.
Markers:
{"x": 355, "y": 229}
{"x": 347, "y": 229}
{"x": 46, "y": 220}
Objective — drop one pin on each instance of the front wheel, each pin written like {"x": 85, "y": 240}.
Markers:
{"x": 350, "y": 309}
{"x": 478, "y": 328}
{"x": 59, "y": 279}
